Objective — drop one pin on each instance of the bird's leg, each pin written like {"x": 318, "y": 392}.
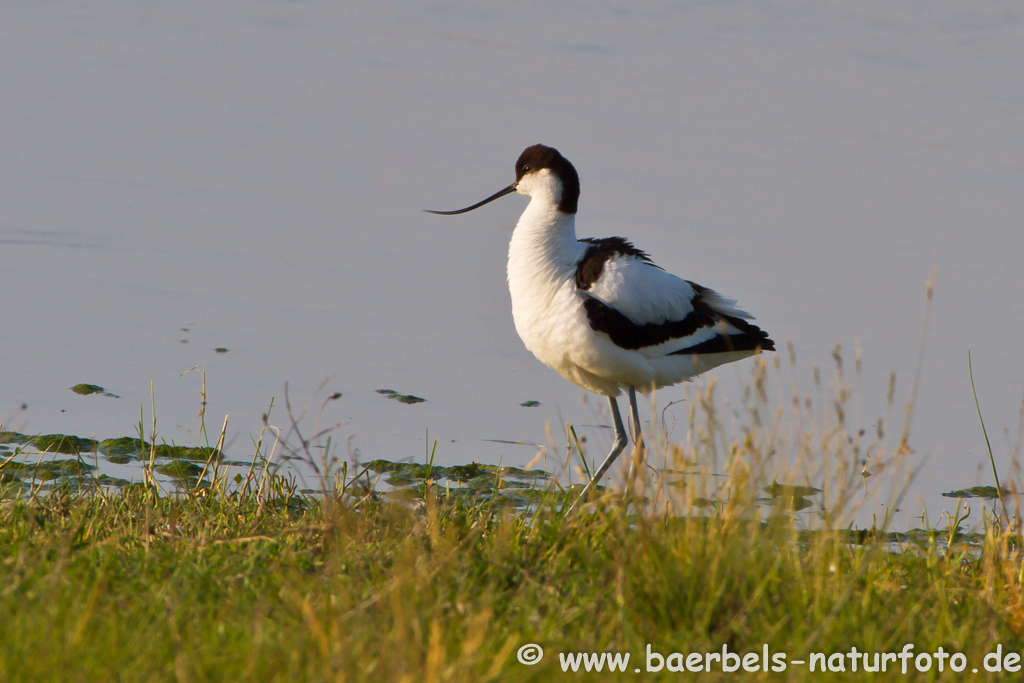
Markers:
{"x": 620, "y": 443}
{"x": 635, "y": 415}
{"x": 638, "y": 437}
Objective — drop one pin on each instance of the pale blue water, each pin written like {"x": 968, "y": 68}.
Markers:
{"x": 254, "y": 172}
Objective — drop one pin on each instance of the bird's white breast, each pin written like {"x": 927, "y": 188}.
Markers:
{"x": 542, "y": 258}
{"x": 547, "y": 306}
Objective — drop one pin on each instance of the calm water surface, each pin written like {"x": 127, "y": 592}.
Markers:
{"x": 182, "y": 177}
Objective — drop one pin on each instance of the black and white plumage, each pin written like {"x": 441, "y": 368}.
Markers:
{"x": 599, "y": 311}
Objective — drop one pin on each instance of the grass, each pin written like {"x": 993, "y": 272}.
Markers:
{"x": 418, "y": 572}
{"x": 132, "y": 585}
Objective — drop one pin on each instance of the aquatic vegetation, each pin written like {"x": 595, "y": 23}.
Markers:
{"x": 514, "y": 485}
{"x": 261, "y": 583}
{"x": 87, "y": 389}
{"x": 29, "y": 462}
{"x": 741, "y": 532}
{"x": 195, "y": 453}
{"x": 123, "y": 449}
{"x": 12, "y": 437}
{"x": 793, "y": 497}
{"x": 741, "y": 526}
{"x": 986, "y": 492}
{"x": 62, "y": 443}
{"x": 180, "y": 469}
{"x": 401, "y": 398}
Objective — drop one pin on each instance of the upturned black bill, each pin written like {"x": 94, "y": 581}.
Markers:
{"x": 501, "y": 193}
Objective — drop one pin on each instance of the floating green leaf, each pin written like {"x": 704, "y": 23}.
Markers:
{"x": 986, "y": 492}
{"x": 517, "y": 473}
{"x": 180, "y": 469}
{"x": 785, "y": 491}
{"x": 793, "y": 502}
{"x": 63, "y": 443}
{"x": 401, "y": 398}
{"x": 123, "y": 449}
{"x": 86, "y": 389}
{"x": 107, "y": 480}
{"x": 196, "y": 453}
{"x": 14, "y": 437}
{"x": 59, "y": 469}
{"x": 466, "y": 472}
{"x": 383, "y": 466}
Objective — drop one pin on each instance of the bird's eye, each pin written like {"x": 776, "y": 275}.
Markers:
{"x": 526, "y": 169}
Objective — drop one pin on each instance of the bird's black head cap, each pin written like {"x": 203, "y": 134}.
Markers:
{"x": 539, "y": 157}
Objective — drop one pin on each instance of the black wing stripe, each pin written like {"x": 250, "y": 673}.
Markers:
{"x": 590, "y": 267}
{"x": 723, "y": 343}
{"x": 629, "y": 335}
{"x": 749, "y": 338}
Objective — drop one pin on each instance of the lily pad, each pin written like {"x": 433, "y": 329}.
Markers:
{"x": 530, "y": 404}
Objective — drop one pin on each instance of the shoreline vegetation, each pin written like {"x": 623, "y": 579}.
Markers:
{"x": 218, "y": 584}
{"x": 738, "y": 539}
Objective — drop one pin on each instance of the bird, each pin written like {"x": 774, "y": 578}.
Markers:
{"x": 599, "y": 311}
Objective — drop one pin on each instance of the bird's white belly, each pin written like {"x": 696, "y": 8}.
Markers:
{"x": 553, "y": 325}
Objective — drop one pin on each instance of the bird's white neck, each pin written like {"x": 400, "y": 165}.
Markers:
{"x": 543, "y": 242}
{"x": 542, "y": 257}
